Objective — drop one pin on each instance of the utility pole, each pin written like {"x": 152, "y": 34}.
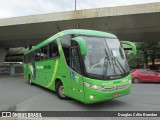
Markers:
{"x": 75, "y": 3}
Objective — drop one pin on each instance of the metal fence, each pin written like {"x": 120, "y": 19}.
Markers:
{"x": 5, "y": 70}
{"x": 11, "y": 70}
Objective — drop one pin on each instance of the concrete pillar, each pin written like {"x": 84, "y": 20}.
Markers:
{"x": 3, "y": 53}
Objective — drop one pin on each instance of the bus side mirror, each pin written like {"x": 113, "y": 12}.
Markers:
{"x": 82, "y": 44}
{"x": 132, "y": 45}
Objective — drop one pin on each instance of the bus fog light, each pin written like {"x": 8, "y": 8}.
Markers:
{"x": 91, "y": 96}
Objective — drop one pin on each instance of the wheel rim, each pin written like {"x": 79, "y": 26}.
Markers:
{"x": 136, "y": 80}
{"x": 61, "y": 91}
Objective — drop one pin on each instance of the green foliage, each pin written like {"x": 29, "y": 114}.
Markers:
{"x": 135, "y": 61}
{"x": 148, "y": 52}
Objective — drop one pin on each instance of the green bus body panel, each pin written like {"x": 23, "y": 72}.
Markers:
{"x": 47, "y": 72}
{"x": 83, "y": 45}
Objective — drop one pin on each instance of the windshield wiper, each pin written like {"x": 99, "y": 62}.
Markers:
{"x": 106, "y": 65}
{"x": 110, "y": 56}
{"x": 117, "y": 61}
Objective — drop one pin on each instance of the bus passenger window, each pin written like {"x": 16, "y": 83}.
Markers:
{"x": 53, "y": 50}
{"x": 32, "y": 57}
{"x": 37, "y": 55}
{"x": 28, "y": 58}
{"x": 25, "y": 59}
{"x": 44, "y": 53}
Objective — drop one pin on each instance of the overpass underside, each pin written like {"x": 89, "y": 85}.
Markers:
{"x": 137, "y": 23}
{"x": 137, "y": 28}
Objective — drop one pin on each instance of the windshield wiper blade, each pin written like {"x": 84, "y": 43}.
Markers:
{"x": 109, "y": 52}
{"x": 105, "y": 66}
{"x": 115, "y": 58}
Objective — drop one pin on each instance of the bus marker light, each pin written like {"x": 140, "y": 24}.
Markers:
{"x": 91, "y": 96}
{"x": 80, "y": 90}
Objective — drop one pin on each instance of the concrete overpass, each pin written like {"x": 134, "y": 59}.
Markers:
{"x": 133, "y": 22}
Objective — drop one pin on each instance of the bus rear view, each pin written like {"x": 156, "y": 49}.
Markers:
{"x": 91, "y": 66}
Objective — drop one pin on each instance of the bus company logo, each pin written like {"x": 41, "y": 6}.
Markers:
{"x": 108, "y": 83}
{"x": 39, "y": 67}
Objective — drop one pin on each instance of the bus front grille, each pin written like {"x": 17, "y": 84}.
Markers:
{"x": 122, "y": 86}
{"x": 116, "y": 87}
{"x": 110, "y": 88}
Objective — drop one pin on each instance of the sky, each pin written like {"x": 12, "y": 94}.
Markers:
{"x": 15, "y": 8}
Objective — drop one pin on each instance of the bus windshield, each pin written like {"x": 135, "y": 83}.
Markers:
{"x": 105, "y": 58}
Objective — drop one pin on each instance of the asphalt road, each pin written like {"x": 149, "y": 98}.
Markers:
{"x": 17, "y": 95}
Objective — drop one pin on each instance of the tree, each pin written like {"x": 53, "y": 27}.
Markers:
{"x": 151, "y": 52}
{"x": 148, "y": 52}
{"x": 135, "y": 61}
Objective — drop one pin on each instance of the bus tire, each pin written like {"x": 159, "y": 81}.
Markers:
{"x": 60, "y": 91}
{"x": 29, "y": 80}
{"x": 136, "y": 80}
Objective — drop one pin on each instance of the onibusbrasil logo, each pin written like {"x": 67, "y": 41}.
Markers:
{"x": 21, "y": 114}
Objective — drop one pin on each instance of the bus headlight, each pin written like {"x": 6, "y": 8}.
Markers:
{"x": 96, "y": 87}
{"x": 129, "y": 81}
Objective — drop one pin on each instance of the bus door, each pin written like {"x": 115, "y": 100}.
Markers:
{"x": 76, "y": 77}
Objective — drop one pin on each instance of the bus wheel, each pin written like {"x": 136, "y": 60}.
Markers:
{"x": 29, "y": 80}
{"x": 60, "y": 91}
{"x": 136, "y": 80}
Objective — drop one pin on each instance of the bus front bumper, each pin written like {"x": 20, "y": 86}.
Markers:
{"x": 93, "y": 96}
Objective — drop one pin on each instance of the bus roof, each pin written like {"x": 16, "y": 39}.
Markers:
{"x": 72, "y": 31}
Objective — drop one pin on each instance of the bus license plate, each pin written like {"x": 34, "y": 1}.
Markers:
{"x": 116, "y": 94}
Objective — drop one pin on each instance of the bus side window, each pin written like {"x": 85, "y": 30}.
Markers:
{"x": 37, "y": 55}
{"x": 32, "y": 57}
{"x": 75, "y": 61}
{"x": 29, "y": 57}
{"x": 53, "y": 50}
{"x": 25, "y": 59}
{"x": 66, "y": 54}
{"x": 44, "y": 52}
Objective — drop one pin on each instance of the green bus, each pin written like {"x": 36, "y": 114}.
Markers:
{"x": 87, "y": 65}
